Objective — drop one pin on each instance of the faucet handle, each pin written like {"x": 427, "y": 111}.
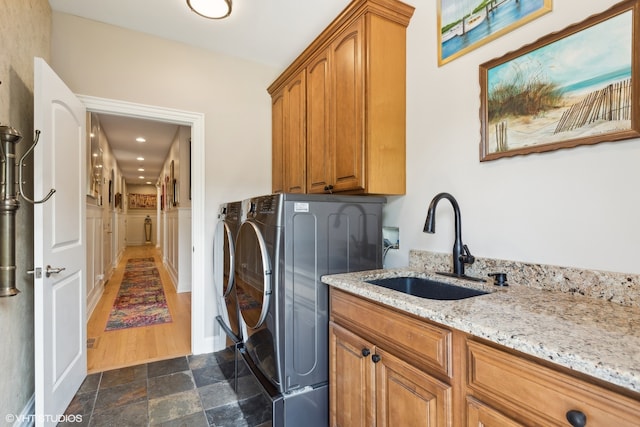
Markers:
{"x": 467, "y": 258}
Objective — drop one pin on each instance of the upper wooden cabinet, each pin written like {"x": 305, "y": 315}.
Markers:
{"x": 277, "y": 142}
{"x": 318, "y": 150}
{"x": 353, "y": 126}
{"x": 288, "y": 135}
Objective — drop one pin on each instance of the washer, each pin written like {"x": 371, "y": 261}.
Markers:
{"x": 285, "y": 245}
{"x": 229, "y": 220}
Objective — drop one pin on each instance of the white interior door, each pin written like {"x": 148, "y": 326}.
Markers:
{"x": 59, "y": 244}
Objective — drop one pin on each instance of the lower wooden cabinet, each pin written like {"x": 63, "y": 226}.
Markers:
{"x": 535, "y": 394}
{"x": 351, "y": 379}
{"x": 386, "y": 368}
{"x": 482, "y": 415}
{"x": 370, "y": 386}
{"x": 390, "y": 368}
{"x": 407, "y": 396}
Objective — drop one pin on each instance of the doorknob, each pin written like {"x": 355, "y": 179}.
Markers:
{"x": 53, "y": 270}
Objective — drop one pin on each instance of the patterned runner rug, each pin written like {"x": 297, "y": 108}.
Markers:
{"x": 141, "y": 300}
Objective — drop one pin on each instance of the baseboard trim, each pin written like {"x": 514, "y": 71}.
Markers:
{"x": 27, "y": 416}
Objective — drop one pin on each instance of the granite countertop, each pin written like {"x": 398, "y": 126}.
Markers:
{"x": 592, "y": 336}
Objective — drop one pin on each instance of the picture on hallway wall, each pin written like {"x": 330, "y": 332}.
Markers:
{"x": 142, "y": 201}
{"x": 570, "y": 88}
{"x": 464, "y": 25}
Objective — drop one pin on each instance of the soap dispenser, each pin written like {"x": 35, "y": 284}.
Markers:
{"x": 499, "y": 279}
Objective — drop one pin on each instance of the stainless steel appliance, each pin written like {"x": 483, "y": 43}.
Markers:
{"x": 229, "y": 220}
{"x": 285, "y": 245}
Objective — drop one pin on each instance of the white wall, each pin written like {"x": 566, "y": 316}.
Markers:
{"x": 104, "y": 61}
{"x": 576, "y": 207}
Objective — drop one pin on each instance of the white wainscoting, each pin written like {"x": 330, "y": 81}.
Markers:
{"x": 177, "y": 247}
{"x": 135, "y": 227}
{"x": 184, "y": 249}
{"x": 95, "y": 259}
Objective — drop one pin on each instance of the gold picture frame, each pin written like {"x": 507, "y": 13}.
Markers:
{"x": 465, "y": 25}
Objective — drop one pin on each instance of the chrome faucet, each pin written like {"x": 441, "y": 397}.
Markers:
{"x": 461, "y": 254}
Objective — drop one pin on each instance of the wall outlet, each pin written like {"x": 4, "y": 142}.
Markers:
{"x": 391, "y": 237}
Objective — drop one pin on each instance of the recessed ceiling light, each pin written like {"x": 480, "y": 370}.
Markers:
{"x": 148, "y": 182}
{"x": 140, "y": 169}
{"x": 141, "y": 139}
{"x": 140, "y": 158}
{"x": 141, "y": 177}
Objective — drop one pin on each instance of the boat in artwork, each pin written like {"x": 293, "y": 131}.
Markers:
{"x": 464, "y": 26}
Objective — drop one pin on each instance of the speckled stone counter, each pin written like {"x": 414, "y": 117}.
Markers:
{"x": 589, "y": 335}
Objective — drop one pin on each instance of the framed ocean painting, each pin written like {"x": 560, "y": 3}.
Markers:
{"x": 464, "y": 25}
{"x": 575, "y": 87}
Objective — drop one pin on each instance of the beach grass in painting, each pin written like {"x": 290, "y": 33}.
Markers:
{"x": 575, "y": 88}
{"x": 464, "y": 25}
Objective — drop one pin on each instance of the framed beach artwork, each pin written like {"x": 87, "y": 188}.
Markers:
{"x": 575, "y": 87}
{"x": 464, "y": 25}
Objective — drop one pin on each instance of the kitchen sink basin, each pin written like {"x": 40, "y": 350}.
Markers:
{"x": 427, "y": 288}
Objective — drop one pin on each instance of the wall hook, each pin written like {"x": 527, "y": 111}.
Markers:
{"x": 21, "y": 165}
{"x": 9, "y": 205}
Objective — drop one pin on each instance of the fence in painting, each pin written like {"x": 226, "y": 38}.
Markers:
{"x": 501, "y": 136}
{"x": 608, "y": 104}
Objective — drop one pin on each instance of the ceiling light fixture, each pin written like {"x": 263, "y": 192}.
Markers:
{"x": 211, "y": 9}
{"x": 141, "y": 139}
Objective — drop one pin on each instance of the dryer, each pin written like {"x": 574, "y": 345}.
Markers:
{"x": 284, "y": 246}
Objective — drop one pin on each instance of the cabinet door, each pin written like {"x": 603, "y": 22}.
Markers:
{"x": 406, "y": 396}
{"x": 295, "y": 135}
{"x": 319, "y": 156}
{"x": 481, "y": 415}
{"x": 347, "y": 108}
{"x": 277, "y": 143}
{"x": 351, "y": 379}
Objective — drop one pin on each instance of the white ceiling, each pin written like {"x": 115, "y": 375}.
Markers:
{"x": 122, "y": 132}
{"x": 272, "y": 32}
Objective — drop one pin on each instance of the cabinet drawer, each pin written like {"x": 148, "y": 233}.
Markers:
{"x": 420, "y": 342}
{"x": 537, "y": 394}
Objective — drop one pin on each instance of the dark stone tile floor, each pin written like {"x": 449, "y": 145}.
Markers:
{"x": 189, "y": 391}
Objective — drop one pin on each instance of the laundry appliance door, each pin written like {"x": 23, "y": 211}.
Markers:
{"x": 228, "y": 251}
{"x": 224, "y": 260}
{"x": 253, "y": 281}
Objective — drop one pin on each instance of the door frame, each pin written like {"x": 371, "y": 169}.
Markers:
{"x": 198, "y": 239}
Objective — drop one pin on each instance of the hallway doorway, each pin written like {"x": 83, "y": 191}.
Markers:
{"x": 199, "y": 343}
{"x": 113, "y": 349}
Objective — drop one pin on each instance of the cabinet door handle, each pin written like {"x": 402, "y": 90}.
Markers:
{"x": 375, "y": 358}
{"x": 365, "y": 352}
{"x": 577, "y": 418}
{"x": 328, "y": 188}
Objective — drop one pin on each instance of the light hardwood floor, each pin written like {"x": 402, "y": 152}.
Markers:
{"x": 127, "y": 347}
